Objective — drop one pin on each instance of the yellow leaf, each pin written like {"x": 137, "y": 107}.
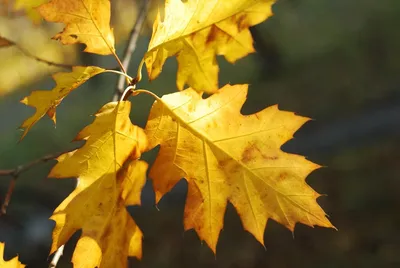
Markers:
{"x": 29, "y": 7}
{"x": 46, "y": 101}
{"x": 109, "y": 178}
{"x": 87, "y": 21}
{"x": 226, "y": 156}
{"x": 196, "y": 31}
{"x": 13, "y": 263}
{"x": 5, "y": 42}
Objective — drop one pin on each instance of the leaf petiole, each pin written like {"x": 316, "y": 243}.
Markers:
{"x": 137, "y": 91}
{"x": 120, "y": 73}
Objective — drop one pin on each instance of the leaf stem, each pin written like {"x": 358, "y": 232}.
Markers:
{"x": 131, "y": 47}
{"x": 124, "y": 96}
{"x": 148, "y": 93}
{"x": 57, "y": 257}
{"x": 122, "y": 74}
{"x": 119, "y": 61}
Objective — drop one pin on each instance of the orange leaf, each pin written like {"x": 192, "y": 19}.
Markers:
{"x": 46, "y": 101}
{"x": 87, "y": 21}
{"x": 196, "y": 31}
{"x": 13, "y": 263}
{"x": 226, "y": 156}
{"x": 110, "y": 176}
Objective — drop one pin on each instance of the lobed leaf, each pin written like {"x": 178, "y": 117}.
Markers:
{"x": 110, "y": 176}
{"x": 87, "y": 22}
{"x": 196, "y": 31}
{"x": 226, "y": 156}
{"x": 46, "y": 101}
{"x": 13, "y": 263}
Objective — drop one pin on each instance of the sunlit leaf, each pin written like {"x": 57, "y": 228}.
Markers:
{"x": 197, "y": 31}
{"x": 226, "y": 156}
{"x": 110, "y": 176}
{"x": 46, "y": 101}
{"x": 87, "y": 21}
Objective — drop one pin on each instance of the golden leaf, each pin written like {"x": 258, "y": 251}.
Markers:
{"x": 13, "y": 263}
{"x": 196, "y": 31}
{"x": 226, "y": 156}
{"x": 29, "y": 7}
{"x": 87, "y": 21}
{"x": 5, "y": 42}
{"x": 109, "y": 178}
{"x": 46, "y": 101}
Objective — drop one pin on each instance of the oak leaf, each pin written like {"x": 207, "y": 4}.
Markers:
{"x": 110, "y": 176}
{"x": 13, "y": 263}
{"x": 226, "y": 156}
{"x": 46, "y": 101}
{"x": 4, "y": 42}
{"x": 29, "y": 7}
{"x": 196, "y": 31}
{"x": 87, "y": 21}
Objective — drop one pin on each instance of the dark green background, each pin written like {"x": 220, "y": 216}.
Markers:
{"x": 336, "y": 61}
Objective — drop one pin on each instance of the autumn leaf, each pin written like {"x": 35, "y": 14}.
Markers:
{"x": 87, "y": 21}
{"x": 29, "y": 7}
{"x": 227, "y": 156}
{"x": 13, "y": 263}
{"x": 4, "y": 42}
{"x": 110, "y": 176}
{"x": 196, "y": 31}
{"x": 46, "y": 101}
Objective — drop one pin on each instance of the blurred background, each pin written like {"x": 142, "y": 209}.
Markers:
{"x": 337, "y": 62}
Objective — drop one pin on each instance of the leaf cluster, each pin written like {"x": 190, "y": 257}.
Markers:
{"x": 223, "y": 155}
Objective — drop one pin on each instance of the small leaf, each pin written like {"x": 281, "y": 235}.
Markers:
{"x": 46, "y": 101}
{"x": 29, "y": 7}
{"x": 226, "y": 156}
{"x": 87, "y": 21}
{"x": 110, "y": 176}
{"x": 13, "y": 263}
{"x": 5, "y": 42}
{"x": 196, "y": 31}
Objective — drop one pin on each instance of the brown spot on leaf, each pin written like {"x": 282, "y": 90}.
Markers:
{"x": 252, "y": 151}
{"x": 212, "y": 35}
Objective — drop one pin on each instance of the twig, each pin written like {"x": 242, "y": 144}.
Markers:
{"x": 9, "y": 43}
{"x": 16, "y": 172}
{"x": 134, "y": 36}
{"x": 50, "y": 63}
{"x": 57, "y": 257}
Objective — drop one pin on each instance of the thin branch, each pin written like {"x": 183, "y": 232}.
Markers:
{"x": 133, "y": 39}
{"x": 8, "y": 43}
{"x": 16, "y": 172}
{"x": 50, "y": 63}
{"x": 56, "y": 257}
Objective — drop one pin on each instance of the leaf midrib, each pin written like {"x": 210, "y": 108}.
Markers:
{"x": 97, "y": 27}
{"x": 205, "y": 138}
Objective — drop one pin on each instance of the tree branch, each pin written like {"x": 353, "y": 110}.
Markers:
{"x": 133, "y": 39}
{"x": 16, "y": 172}
{"x": 50, "y": 63}
{"x": 4, "y": 42}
